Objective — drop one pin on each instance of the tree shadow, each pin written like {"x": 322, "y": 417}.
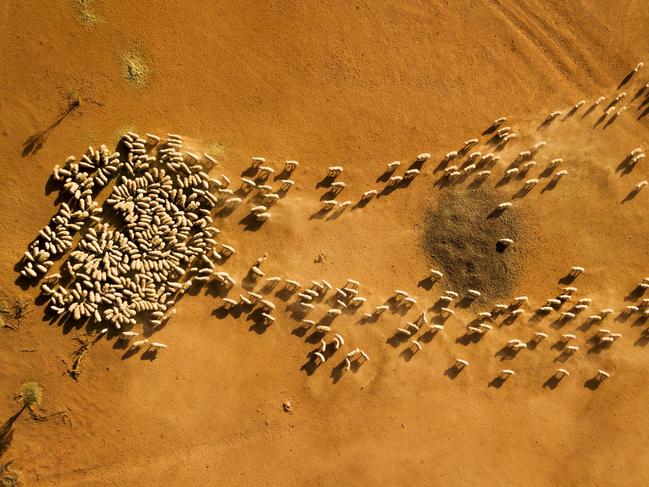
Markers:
{"x": 35, "y": 142}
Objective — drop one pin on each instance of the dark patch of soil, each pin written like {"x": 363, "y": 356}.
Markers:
{"x": 462, "y": 242}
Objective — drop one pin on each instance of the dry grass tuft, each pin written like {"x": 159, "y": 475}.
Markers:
{"x": 135, "y": 68}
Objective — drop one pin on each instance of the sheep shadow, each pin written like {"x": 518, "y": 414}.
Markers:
{"x": 643, "y": 114}
{"x": 407, "y": 354}
{"x": 552, "y": 382}
{"x": 310, "y": 366}
{"x": 149, "y": 354}
{"x": 550, "y": 186}
{"x": 496, "y": 382}
{"x": 562, "y": 357}
{"x": 641, "y": 341}
{"x": 590, "y": 110}
{"x": 452, "y": 372}
{"x": 506, "y": 353}
{"x": 632, "y": 194}
{"x": 396, "y": 340}
{"x": 600, "y": 120}
{"x": 592, "y": 383}
{"x": 495, "y": 213}
{"x": 426, "y": 283}
{"x": 325, "y": 182}
{"x": 469, "y": 338}
{"x": 610, "y": 121}
{"x": 626, "y": 79}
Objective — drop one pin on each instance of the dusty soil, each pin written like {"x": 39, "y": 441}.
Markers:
{"x": 358, "y": 84}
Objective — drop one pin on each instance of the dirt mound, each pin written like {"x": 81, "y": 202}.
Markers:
{"x": 460, "y": 237}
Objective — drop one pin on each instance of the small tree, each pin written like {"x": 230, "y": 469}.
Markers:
{"x": 31, "y": 394}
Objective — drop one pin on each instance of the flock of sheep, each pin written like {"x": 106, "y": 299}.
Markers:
{"x": 154, "y": 238}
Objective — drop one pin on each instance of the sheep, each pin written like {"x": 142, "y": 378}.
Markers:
{"x": 286, "y": 184}
{"x": 602, "y": 332}
{"x": 530, "y": 183}
{"x": 393, "y": 166}
{"x": 435, "y": 275}
{"x": 504, "y": 205}
{"x": 498, "y": 309}
{"x": 368, "y": 195}
{"x": 127, "y": 335}
{"x": 400, "y": 295}
{"x": 602, "y": 375}
{"x": 447, "y": 311}
{"x": 381, "y": 309}
{"x": 522, "y": 156}
{"x": 561, "y": 373}
{"x": 229, "y": 303}
{"x": 408, "y": 302}
{"x": 571, "y": 349}
{"x": 460, "y": 363}
{"x": 566, "y": 337}
{"x": 338, "y": 341}
{"x": 567, "y": 315}
{"x": 505, "y": 242}
{"x": 473, "y": 156}
{"x": 410, "y": 174}
{"x": 473, "y": 294}
{"x": 638, "y": 67}
{"x": 334, "y": 171}
{"x": 450, "y": 156}
{"x": 576, "y": 270}
{"x": 468, "y": 169}
{"x": 639, "y": 186}
{"x": 333, "y": 312}
{"x": 290, "y": 166}
{"x": 505, "y": 373}
{"x": 509, "y": 173}
{"x": 485, "y": 314}
{"x": 469, "y": 143}
{"x": 417, "y": 346}
{"x": 435, "y": 328}
{"x": 262, "y": 217}
{"x": 402, "y": 331}
{"x": 327, "y": 205}
{"x": 258, "y": 209}
{"x": 157, "y": 346}
{"x": 266, "y": 305}
{"x": 454, "y": 175}
{"x": 452, "y": 294}
{"x": 352, "y": 284}
{"x": 137, "y": 344}
{"x": 337, "y": 187}
{"x": 265, "y": 171}
{"x": 539, "y": 336}
{"x": 394, "y": 181}
{"x": 323, "y": 329}
{"x": 553, "y": 115}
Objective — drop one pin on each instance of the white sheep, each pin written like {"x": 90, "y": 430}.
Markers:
{"x": 505, "y": 373}
{"x": 290, "y": 166}
{"x": 602, "y": 375}
{"x": 505, "y": 242}
{"x": 393, "y": 166}
{"x": 435, "y": 275}
{"x": 460, "y": 363}
{"x": 539, "y": 336}
{"x": 505, "y": 205}
{"x": 561, "y": 373}
{"x": 423, "y": 157}
{"x": 334, "y": 171}
{"x": 157, "y": 346}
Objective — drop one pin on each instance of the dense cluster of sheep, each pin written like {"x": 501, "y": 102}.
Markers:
{"x": 144, "y": 248}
